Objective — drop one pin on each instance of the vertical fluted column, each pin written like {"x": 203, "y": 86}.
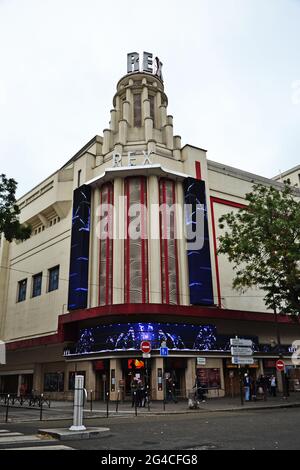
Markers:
{"x": 154, "y": 241}
{"x": 177, "y": 147}
{"x": 184, "y": 293}
{"x": 158, "y": 124}
{"x": 118, "y": 109}
{"x": 118, "y": 243}
{"x": 113, "y": 120}
{"x": 94, "y": 259}
{"x": 123, "y": 126}
{"x": 169, "y": 132}
{"x": 106, "y": 141}
{"x": 163, "y": 115}
{"x": 129, "y": 100}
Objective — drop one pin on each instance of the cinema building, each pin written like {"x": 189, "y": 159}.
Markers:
{"x": 73, "y": 301}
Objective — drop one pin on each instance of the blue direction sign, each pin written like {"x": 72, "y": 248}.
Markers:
{"x": 164, "y": 351}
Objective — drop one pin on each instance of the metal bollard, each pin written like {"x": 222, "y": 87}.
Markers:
{"x": 135, "y": 403}
{"x": 148, "y": 398}
{"x": 107, "y": 404}
{"x": 91, "y": 402}
{"x": 7, "y": 405}
{"x": 41, "y": 406}
{"x": 117, "y": 404}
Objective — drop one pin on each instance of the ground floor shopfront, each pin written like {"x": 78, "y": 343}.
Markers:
{"x": 115, "y": 375}
{"x": 103, "y": 345}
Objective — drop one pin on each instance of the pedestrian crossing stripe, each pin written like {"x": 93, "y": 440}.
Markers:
{"x": 50, "y": 447}
{"x": 11, "y": 437}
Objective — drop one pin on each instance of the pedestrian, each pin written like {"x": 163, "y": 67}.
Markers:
{"x": 170, "y": 390}
{"x": 263, "y": 387}
{"x": 247, "y": 387}
{"x": 133, "y": 387}
{"x": 254, "y": 389}
{"x": 199, "y": 389}
{"x": 273, "y": 385}
{"x": 287, "y": 384}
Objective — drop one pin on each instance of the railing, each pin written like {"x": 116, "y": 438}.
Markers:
{"x": 24, "y": 400}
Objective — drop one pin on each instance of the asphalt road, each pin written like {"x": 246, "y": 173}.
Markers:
{"x": 257, "y": 430}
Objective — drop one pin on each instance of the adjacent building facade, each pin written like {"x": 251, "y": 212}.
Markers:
{"x": 82, "y": 293}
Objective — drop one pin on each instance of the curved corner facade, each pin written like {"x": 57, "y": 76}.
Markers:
{"x": 114, "y": 260}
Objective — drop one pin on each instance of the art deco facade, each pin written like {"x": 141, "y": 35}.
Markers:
{"x": 74, "y": 302}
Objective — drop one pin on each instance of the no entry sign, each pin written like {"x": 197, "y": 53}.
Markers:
{"x": 280, "y": 365}
{"x": 145, "y": 347}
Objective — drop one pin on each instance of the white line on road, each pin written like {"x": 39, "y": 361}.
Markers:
{"x": 42, "y": 448}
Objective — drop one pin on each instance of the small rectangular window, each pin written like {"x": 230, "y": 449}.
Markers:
{"x": 78, "y": 178}
{"x": 22, "y": 287}
{"x": 53, "y": 279}
{"x": 151, "y": 98}
{"x": 137, "y": 103}
{"x": 37, "y": 285}
{"x": 54, "y": 382}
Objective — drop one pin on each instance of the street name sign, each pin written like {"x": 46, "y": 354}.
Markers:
{"x": 242, "y": 361}
{"x": 239, "y": 351}
{"x": 241, "y": 342}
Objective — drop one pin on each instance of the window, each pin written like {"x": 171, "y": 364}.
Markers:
{"x": 78, "y": 178}
{"x": 72, "y": 376}
{"x": 136, "y": 247}
{"x": 169, "y": 257}
{"x": 151, "y": 98}
{"x": 37, "y": 285}
{"x": 53, "y": 279}
{"x": 22, "y": 286}
{"x": 137, "y": 103}
{"x": 106, "y": 248}
{"x": 54, "y": 382}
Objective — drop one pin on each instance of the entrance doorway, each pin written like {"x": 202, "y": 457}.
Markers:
{"x": 175, "y": 367}
{"x": 134, "y": 368}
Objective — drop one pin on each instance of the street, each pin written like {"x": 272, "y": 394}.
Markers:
{"x": 237, "y": 430}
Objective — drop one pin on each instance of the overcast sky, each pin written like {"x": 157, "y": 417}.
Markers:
{"x": 231, "y": 70}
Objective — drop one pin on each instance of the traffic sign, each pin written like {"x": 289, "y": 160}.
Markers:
{"x": 164, "y": 351}
{"x": 145, "y": 347}
{"x": 280, "y": 365}
{"x": 241, "y": 342}
{"x": 146, "y": 355}
{"x": 242, "y": 360}
{"x": 239, "y": 351}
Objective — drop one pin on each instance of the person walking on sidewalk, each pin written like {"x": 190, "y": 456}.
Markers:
{"x": 171, "y": 390}
{"x": 273, "y": 385}
{"x": 247, "y": 387}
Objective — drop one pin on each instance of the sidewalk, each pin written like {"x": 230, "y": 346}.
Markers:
{"x": 64, "y": 410}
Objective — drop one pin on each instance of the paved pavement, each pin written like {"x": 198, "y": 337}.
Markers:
{"x": 10, "y": 440}
{"x": 234, "y": 430}
{"x": 64, "y": 410}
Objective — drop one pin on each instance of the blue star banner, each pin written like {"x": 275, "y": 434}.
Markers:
{"x": 80, "y": 241}
{"x": 199, "y": 262}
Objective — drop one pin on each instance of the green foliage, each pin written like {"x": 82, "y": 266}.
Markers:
{"x": 9, "y": 212}
{"x": 263, "y": 243}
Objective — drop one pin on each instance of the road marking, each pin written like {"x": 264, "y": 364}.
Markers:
{"x": 21, "y": 438}
{"x": 3, "y": 430}
{"x": 41, "y": 448}
{"x": 7, "y": 434}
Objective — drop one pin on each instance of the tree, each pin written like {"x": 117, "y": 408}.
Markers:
{"x": 9, "y": 212}
{"x": 262, "y": 241}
